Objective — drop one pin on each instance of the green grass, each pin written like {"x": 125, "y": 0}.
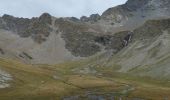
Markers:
{"x": 36, "y": 82}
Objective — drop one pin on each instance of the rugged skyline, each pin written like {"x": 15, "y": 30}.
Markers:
{"x": 58, "y": 8}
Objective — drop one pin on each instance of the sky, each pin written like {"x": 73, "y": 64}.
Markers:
{"x": 57, "y": 8}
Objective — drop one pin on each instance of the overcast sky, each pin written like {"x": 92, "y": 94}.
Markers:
{"x": 58, "y": 8}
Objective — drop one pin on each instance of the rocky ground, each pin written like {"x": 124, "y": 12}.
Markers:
{"x": 4, "y": 79}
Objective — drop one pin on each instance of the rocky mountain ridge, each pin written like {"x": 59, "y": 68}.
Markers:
{"x": 42, "y": 39}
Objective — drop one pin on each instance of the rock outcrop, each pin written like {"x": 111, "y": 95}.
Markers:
{"x": 37, "y": 28}
{"x": 93, "y": 18}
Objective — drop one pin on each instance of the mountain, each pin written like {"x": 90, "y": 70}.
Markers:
{"x": 47, "y": 39}
{"x": 148, "y": 52}
{"x": 51, "y": 40}
{"x": 125, "y": 53}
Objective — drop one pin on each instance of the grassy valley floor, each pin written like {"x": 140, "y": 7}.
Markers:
{"x": 62, "y": 82}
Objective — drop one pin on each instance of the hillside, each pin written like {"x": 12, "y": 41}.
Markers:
{"x": 122, "y": 54}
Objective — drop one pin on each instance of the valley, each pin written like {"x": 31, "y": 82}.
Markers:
{"x": 53, "y": 82}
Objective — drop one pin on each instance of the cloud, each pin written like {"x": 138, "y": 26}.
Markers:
{"x": 58, "y": 8}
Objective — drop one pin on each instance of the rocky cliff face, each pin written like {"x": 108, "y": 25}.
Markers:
{"x": 134, "y": 13}
{"x": 37, "y": 28}
{"x": 47, "y": 39}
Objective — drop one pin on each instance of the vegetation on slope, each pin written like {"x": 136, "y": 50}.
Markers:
{"x": 54, "y": 82}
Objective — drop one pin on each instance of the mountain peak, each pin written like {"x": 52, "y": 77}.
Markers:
{"x": 46, "y": 17}
{"x": 136, "y": 4}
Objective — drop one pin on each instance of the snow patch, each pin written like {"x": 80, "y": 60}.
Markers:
{"x": 4, "y": 79}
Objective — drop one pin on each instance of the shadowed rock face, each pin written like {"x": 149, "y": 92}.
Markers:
{"x": 78, "y": 40}
{"x": 83, "y": 43}
{"x": 37, "y": 28}
{"x": 114, "y": 42}
{"x": 2, "y": 51}
{"x": 17, "y": 25}
{"x": 45, "y": 18}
